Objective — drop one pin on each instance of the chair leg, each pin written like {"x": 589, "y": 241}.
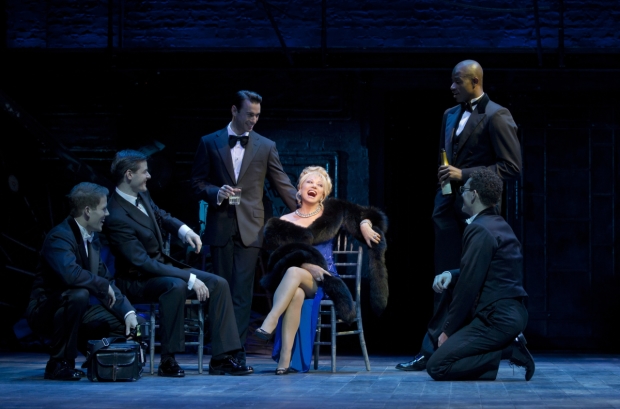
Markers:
{"x": 152, "y": 340}
{"x": 317, "y": 340}
{"x": 201, "y": 336}
{"x": 363, "y": 343}
{"x": 333, "y": 334}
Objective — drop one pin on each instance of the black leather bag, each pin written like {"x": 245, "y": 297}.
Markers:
{"x": 114, "y": 360}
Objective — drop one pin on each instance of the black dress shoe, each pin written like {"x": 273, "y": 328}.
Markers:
{"x": 170, "y": 368}
{"x": 522, "y": 357}
{"x": 240, "y": 357}
{"x": 61, "y": 371}
{"x": 417, "y": 364}
{"x": 262, "y": 334}
{"x": 228, "y": 365}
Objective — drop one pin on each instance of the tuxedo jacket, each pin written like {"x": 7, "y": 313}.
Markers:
{"x": 213, "y": 168}
{"x": 64, "y": 265}
{"x": 491, "y": 269}
{"x": 136, "y": 239}
{"x": 489, "y": 139}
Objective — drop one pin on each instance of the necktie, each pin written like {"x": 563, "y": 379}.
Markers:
{"x": 232, "y": 140}
{"x": 138, "y": 201}
{"x": 87, "y": 241}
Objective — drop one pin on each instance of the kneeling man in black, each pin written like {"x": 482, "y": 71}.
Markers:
{"x": 73, "y": 297}
{"x": 145, "y": 273}
{"x": 480, "y": 320}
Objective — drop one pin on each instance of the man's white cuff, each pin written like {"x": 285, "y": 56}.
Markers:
{"x": 191, "y": 281}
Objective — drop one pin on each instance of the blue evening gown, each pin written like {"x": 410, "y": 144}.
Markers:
{"x": 304, "y": 339}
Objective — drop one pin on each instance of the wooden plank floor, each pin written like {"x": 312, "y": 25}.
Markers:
{"x": 560, "y": 381}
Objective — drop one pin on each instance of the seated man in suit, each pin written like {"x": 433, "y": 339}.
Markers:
{"x": 73, "y": 297}
{"x": 135, "y": 230}
{"x": 480, "y": 318}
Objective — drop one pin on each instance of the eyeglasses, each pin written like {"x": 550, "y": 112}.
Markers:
{"x": 464, "y": 189}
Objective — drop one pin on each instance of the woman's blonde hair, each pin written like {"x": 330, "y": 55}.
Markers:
{"x": 318, "y": 170}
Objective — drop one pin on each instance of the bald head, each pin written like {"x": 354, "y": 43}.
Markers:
{"x": 466, "y": 81}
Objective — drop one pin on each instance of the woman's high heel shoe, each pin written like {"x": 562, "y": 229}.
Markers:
{"x": 286, "y": 371}
{"x": 262, "y": 334}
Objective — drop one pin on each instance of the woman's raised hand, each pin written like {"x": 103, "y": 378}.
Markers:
{"x": 369, "y": 234}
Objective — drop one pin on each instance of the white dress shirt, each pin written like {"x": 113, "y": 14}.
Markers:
{"x": 237, "y": 152}
{"x": 86, "y": 236}
{"x": 471, "y": 219}
{"x": 466, "y": 116}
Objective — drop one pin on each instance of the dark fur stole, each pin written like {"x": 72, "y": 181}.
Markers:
{"x": 280, "y": 236}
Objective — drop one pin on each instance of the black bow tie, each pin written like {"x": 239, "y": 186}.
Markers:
{"x": 469, "y": 107}
{"x": 232, "y": 140}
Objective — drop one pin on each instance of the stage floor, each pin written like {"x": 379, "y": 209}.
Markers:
{"x": 560, "y": 381}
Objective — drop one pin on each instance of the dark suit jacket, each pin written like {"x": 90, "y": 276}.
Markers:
{"x": 136, "y": 239}
{"x": 491, "y": 269}
{"x": 213, "y": 168}
{"x": 64, "y": 265}
{"x": 489, "y": 139}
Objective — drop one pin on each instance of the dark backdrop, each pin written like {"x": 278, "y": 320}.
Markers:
{"x": 365, "y": 94}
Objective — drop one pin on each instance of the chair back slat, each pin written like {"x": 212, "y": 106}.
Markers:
{"x": 347, "y": 254}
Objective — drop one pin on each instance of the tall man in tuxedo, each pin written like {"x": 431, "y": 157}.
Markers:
{"x": 482, "y": 314}
{"x": 74, "y": 298}
{"x": 233, "y": 158}
{"x": 477, "y": 133}
{"x": 134, "y": 229}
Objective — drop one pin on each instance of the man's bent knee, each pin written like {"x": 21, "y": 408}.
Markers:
{"x": 435, "y": 370}
{"x": 77, "y": 297}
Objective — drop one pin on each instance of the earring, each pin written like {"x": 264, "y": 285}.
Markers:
{"x": 298, "y": 196}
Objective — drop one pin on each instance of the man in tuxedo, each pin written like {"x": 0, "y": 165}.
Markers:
{"x": 234, "y": 158}
{"x": 477, "y": 133}
{"x": 74, "y": 298}
{"x": 482, "y": 314}
{"x": 134, "y": 230}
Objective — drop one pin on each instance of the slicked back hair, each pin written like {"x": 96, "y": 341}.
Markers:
{"x": 245, "y": 95}
{"x": 124, "y": 161}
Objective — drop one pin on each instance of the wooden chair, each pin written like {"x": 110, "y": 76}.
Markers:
{"x": 347, "y": 256}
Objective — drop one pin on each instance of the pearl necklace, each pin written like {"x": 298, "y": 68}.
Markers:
{"x": 314, "y": 213}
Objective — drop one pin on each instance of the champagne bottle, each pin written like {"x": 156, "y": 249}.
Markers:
{"x": 446, "y": 188}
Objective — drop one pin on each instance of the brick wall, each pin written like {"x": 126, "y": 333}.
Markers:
{"x": 164, "y": 24}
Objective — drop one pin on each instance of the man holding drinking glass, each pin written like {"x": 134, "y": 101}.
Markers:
{"x": 227, "y": 161}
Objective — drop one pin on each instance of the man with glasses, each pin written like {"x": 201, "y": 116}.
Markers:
{"x": 477, "y": 133}
{"x": 481, "y": 314}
